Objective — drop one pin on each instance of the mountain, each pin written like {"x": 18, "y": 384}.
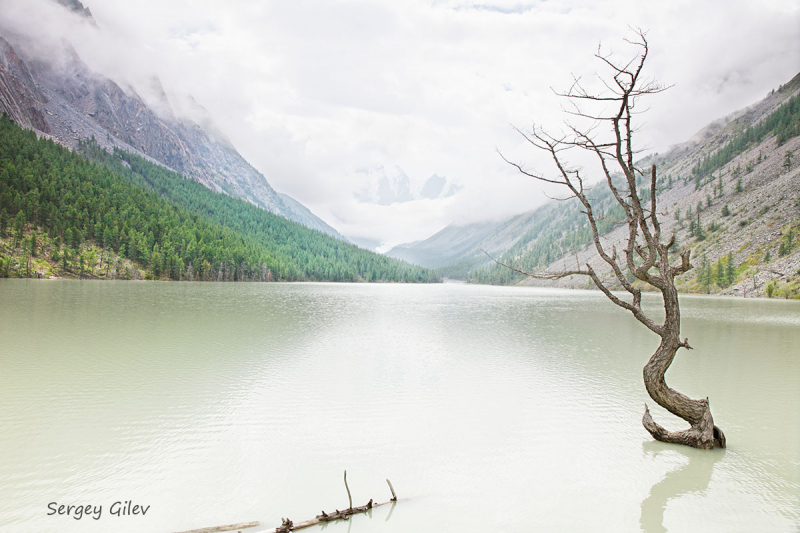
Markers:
{"x": 387, "y": 186}
{"x": 451, "y": 245}
{"x": 98, "y": 214}
{"x": 57, "y": 94}
{"x": 304, "y": 216}
{"x": 730, "y": 194}
{"x": 435, "y": 188}
{"x": 458, "y": 249}
{"x": 77, "y": 7}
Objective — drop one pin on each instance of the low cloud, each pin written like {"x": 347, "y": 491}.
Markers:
{"x": 312, "y": 91}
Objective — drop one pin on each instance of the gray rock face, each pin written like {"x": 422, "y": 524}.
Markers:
{"x": 306, "y": 217}
{"x": 67, "y": 101}
{"x": 76, "y": 6}
{"x": 19, "y": 97}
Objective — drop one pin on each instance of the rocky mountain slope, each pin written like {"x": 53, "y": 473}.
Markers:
{"x": 62, "y": 97}
{"x": 457, "y": 249}
{"x": 448, "y": 246}
{"x": 745, "y": 187}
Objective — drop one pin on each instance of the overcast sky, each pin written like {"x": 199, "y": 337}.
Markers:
{"x": 311, "y": 92}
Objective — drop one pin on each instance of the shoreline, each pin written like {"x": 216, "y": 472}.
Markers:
{"x": 760, "y": 296}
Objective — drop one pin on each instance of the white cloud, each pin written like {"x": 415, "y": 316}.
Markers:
{"x": 311, "y": 91}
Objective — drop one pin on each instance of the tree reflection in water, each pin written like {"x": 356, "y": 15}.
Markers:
{"x": 692, "y": 477}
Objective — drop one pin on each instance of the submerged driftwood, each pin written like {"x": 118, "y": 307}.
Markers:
{"x": 345, "y": 514}
{"x": 231, "y": 527}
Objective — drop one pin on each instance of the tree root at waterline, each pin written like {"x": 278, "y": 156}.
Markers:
{"x": 704, "y": 436}
{"x": 702, "y": 433}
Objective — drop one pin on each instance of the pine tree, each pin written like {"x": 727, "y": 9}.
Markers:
{"x": 698, "y": 228}
{"x": 704, "y": 274}
{"x": 720, "y": 274}
{"x": 19, "y": 226}
{"x": 730, "y": 272}
{"x": 3, "y": 223}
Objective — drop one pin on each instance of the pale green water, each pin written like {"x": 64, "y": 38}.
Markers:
{"x": 490, "y": 409}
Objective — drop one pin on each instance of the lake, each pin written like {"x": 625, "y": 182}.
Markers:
{"x": 489, "y": 408}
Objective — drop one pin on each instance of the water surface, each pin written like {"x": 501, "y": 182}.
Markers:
{"x": 489, "y": 408}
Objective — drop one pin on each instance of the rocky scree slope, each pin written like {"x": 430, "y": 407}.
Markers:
{"x": 746, "y": 211}
{"x": 749, "y": 215}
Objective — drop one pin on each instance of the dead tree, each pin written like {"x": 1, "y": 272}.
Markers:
{"x": 646, "y": 254}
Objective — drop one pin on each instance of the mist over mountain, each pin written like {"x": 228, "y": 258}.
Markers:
{"x": 77, "y": 7}
{"x": 46, "y": 86}
{"x": 730, "y": 194}
{"x": 390, "y": 185}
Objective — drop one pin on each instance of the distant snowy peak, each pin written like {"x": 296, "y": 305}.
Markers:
{"x": 433, "y": 187}
{"x": 384, "y": 186}
{"x": 437, "y": 187}
{"x": 387, "y": 186}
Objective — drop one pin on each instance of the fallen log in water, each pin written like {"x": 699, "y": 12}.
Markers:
{"x": 231, "y": 527}
{"x": 345, "y": 514}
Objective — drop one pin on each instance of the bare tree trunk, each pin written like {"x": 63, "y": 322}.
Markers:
{"x": 645, "y": 250}
{"x": 702, "y": 432}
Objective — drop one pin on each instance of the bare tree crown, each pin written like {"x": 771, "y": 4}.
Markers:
{"x": 614, "y": 155}
{"x": 646, "y": 254}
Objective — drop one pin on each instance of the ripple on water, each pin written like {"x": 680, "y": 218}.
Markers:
{"x": 221, "y": 403}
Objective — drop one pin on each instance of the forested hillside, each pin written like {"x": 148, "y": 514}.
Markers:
{"x": 732, "y": 198}
{"x": 60, "y": 213}
{"x": 64, "y": 98}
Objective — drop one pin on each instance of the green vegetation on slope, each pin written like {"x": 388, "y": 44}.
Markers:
{"x": 172, "y": 226}
{"x": 561, "y": 229}
{"x": 784, "y": 123}
{"x": 29, "y": 253}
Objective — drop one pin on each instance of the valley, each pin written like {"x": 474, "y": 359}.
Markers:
{"x": 730, "y": 195}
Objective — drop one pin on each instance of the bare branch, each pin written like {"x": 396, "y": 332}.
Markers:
{"x": 539, "y": 275}
{"x": 644, "y": 255}
{"x": 559, "y": 199}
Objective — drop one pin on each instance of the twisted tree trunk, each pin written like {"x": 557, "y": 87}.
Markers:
{"x": 646, "y": 254}
{"x": 702, "y": 432}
